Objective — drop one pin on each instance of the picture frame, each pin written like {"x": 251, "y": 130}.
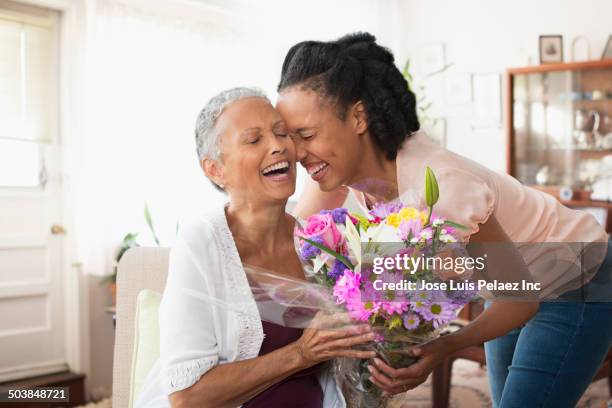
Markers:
{"x": 458, "y": 88}
{"x": 607, "y": 52}
{"x": 551, "y": 49}
{"x": 431, "y": 58}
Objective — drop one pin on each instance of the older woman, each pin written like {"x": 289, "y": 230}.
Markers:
{"x": 221, "y": 354}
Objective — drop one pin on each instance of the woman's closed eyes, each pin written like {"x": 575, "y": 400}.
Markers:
{"x": 254, "y": 137}
{"x": 279, "y": 129}
{"x": 306, "y": 134}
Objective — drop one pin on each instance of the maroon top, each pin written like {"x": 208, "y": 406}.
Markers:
{"x": 300, "y": 390}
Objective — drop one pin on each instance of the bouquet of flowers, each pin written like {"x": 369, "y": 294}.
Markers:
{"x": 378, "y": 267}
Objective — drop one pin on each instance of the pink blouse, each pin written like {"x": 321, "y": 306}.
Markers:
{"x": 470, "y": 193}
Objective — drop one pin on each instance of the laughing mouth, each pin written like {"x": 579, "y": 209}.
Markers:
{"x": 314, "y": 170}
{"x": 276, "y": 169}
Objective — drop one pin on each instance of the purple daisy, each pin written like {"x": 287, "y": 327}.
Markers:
{"x": 439, "y": 313}
{"x": 383, "y": 209}
{"x": 411, "y": 321}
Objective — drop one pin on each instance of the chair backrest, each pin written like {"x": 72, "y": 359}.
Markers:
{"x": 140, "y": 268}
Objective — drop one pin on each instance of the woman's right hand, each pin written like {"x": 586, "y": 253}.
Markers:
{"x": 332, "y": 336}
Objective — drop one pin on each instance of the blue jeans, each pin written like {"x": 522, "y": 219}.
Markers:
{"x": 551, "y": 360}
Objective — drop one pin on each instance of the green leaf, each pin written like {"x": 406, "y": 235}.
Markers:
{"x": 333, "y": 253}
{"x": 130, "y": 238}
{"x": 441, "y": 70}
{"x": 454, "y": 224}
{"x": 363, "y": 221}
{"x": 149, "y": 220}
{"x": 406, "y": 71}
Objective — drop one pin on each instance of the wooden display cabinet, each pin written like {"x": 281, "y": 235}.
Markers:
{"x": 559, "y": 131}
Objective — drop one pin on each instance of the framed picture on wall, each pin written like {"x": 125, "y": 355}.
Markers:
{"x": 459, "y": 88}
{"x": 551, "y": 49}
{"x": 607, "y": 53}
{"x": 431, "y": 58}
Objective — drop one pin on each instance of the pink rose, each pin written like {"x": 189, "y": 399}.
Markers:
{"x": 323, "y": 226}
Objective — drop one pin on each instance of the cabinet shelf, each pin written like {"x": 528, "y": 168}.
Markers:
{"x": 580, "y": 198}
{"x": 582, "y": 153}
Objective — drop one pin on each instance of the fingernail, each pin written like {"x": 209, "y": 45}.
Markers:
{"x": 377, "y": 362}
{"x": 371, "y": 369}
{"x": 416, "y": 351}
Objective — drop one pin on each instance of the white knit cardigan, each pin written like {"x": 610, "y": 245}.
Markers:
{"x": 208, "y": 315}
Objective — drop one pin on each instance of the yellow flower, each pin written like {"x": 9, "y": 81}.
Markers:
{"x": 423, "y": 217}
{"x": 409, "y": 213}
{"x": 406, "y": 214}
{"x": 413, "y": 214}
{"x": 394, "y": 219}
{"x": 394, "y": 322}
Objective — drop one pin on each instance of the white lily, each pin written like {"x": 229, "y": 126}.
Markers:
{"x": 382, "y": 232}
{"x": 319, "y": 261}
{"x": 354, "y": 242}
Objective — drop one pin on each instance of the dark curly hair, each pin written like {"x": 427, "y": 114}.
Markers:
{"x": 354, "y": 68}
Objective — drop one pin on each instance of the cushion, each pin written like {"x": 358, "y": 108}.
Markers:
{"x": 146, "y": 339}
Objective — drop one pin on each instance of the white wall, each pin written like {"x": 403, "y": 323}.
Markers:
{"x": 483, "y": 36}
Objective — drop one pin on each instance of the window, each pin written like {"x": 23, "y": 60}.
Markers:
{"x": 28, "y": 95}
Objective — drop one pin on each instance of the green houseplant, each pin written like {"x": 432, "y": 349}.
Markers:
{"x": 418, "y": 87}
{"x": 130, "y": 240}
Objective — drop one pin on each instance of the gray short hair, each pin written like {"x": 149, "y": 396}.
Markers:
{"x": 207, "y": 138}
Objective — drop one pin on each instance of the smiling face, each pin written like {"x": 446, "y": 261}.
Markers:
{"x": 327, "y": 146}
{"x": 257, "y": 156}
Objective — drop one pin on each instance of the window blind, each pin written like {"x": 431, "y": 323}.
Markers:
{"x": 28, "y": 79}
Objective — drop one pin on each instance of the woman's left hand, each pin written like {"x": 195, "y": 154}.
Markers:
{"x": 394, "y": 381}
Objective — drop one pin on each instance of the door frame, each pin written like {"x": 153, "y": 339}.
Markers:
{"x": 73, "y": 34}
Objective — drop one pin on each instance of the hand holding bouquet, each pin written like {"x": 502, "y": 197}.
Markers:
{"x": 389, "y": 268}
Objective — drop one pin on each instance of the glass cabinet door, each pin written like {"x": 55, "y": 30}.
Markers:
{"x": 562, "y": 126}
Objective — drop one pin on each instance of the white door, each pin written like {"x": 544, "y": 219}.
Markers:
{"x": 32, "y": 326}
